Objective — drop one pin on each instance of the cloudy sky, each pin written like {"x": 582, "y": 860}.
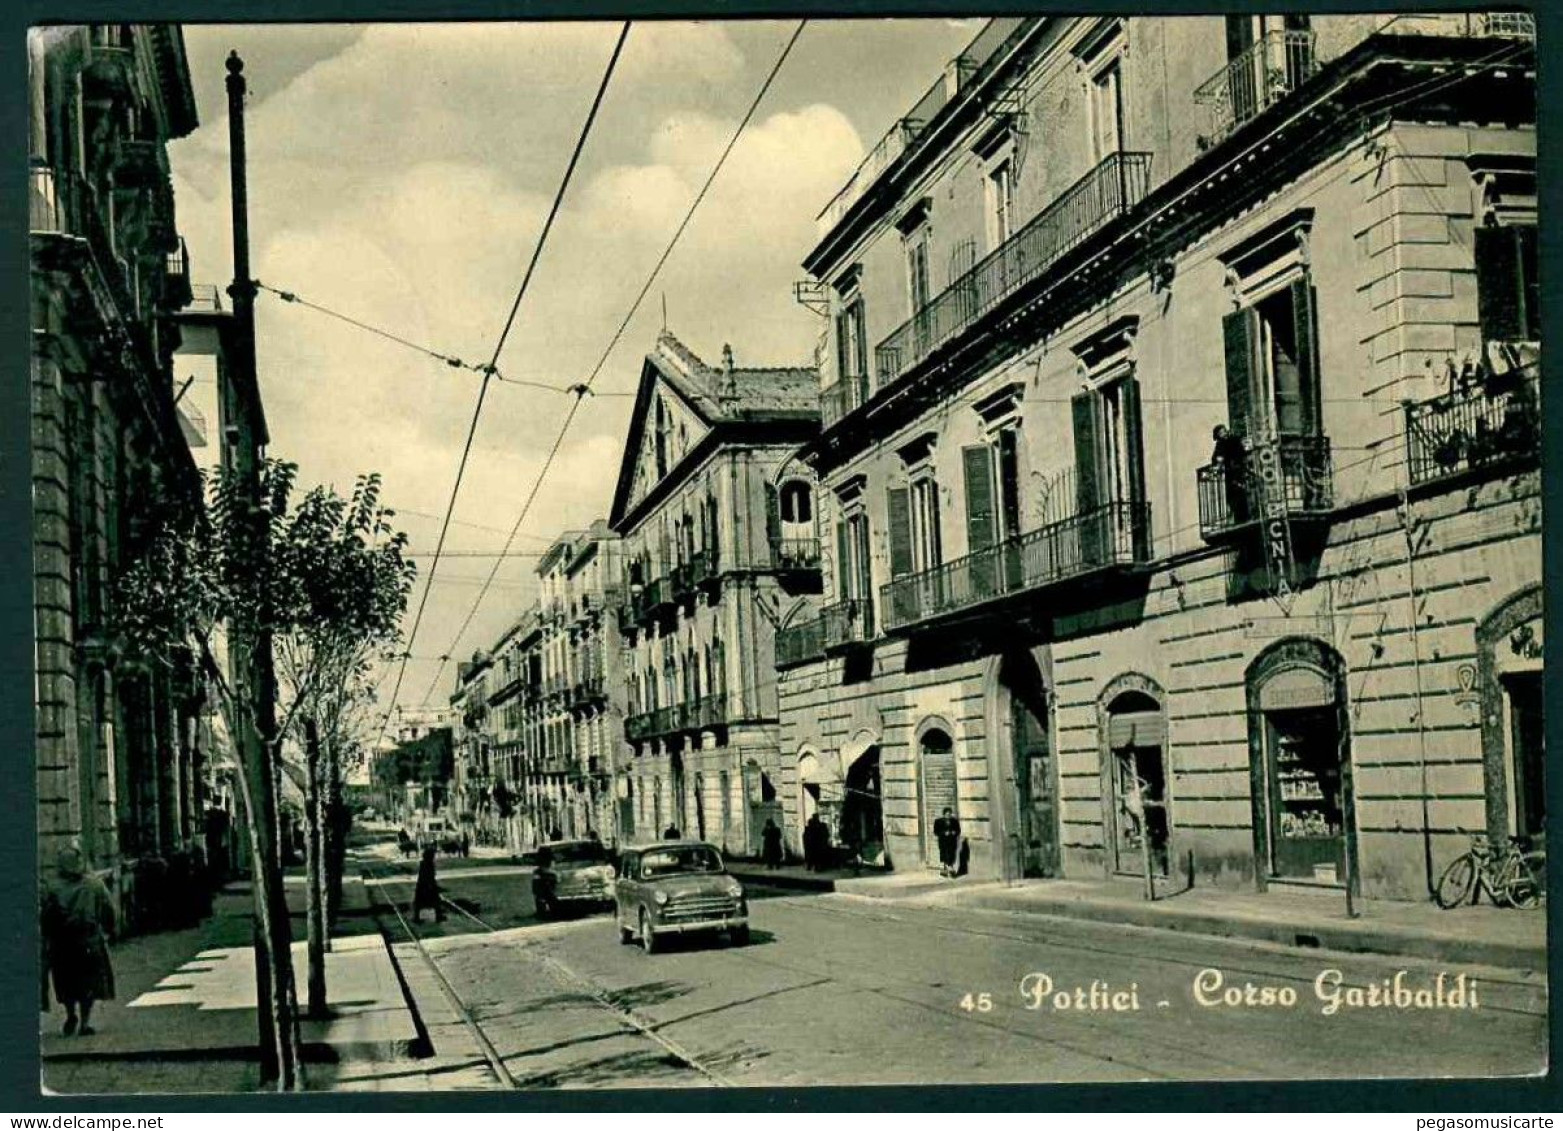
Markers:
{"x": 400, "y": 173}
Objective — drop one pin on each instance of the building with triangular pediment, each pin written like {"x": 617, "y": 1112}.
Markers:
{"x": 716, "y": 517}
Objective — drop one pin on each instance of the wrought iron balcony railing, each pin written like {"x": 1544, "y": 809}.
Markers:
{"x": 1113, "y": 536}
{"x": 1277, "y": 64}
{"x": 1107, "y": 191}
{"x": 848, "y": 622}
{"x": 176, "y": 278}
{"x": 841, "y": 398}
{"x": 800, "y": 643}
{"x": 1286, "y": 476}
{"x": 699, "y": 569}
{"x": 796, "y": 553}
{"x": 707, "y": 712}
{"x": 655, "y": 723}
{"x": 1490, "y": 423}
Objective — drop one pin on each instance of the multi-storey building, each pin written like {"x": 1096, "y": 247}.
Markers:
{"x": 473, "y": 778}
{"x": 581, "y": 590}
{"x": 1095, "y": 248}
{"x": 122, "y": 755}
{"x": 716, "y": 517}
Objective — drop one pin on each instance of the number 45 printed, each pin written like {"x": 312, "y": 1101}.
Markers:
{"x": 977, "y": 1003}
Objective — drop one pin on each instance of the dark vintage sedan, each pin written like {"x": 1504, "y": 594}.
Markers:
{"x": 674, "y": 888}
{"x": 571, "y": 873}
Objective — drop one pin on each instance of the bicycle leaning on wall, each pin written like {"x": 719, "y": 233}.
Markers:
{"x": 1510, "y": 874}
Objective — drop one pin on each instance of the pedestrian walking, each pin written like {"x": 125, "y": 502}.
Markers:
{"x": 671, "y": 833}
{"x": 947, "y": 832}
{"x": 555, "y": 834}
{"x": 771, "y": 844}
{"x": 426, "y": 893}
{"x": 77, "y": 920}
{"x": 816, "y": 844}
{"x": 466, "y": 843}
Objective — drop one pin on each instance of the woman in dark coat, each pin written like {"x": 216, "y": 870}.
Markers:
{"x": 771, "y": 844}
{"x": 77, "y": 921}
{"x": 426, "y": 894}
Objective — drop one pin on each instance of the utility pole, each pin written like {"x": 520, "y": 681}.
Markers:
{"x": 250, "y": 661}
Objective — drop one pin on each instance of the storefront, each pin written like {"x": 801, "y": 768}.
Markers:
{"x": 1301, "y": 766}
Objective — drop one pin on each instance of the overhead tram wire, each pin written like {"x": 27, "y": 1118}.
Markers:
{"x": 489, "y": 370}
{"x": 584, "y": 387}
{"x": 446, "y": 359}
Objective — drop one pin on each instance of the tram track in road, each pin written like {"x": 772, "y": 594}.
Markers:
{"x": 496, "y": 1063}
{"x": 631, "y": 1020}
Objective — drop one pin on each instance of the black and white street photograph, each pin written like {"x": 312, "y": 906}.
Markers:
{"x": 686, "y": 553}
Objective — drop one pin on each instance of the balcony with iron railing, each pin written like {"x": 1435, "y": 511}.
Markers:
{"x": 1115, "y": 536}
{"x": 704, "y": 713}
{"x": 1462, "y": 25}
{"x": 835, "y": 401}
{"x": 697, "y": 571}
{"x": 794, "y": 554}
{"x": 800, "y": 643}
{"x": 176, "y": 278}
{"x": 1490, "y": 423}
{"x": 847, "y": 623}
{"x": 1278, "y": 63}
{"x": 655, "y": 723}
{"x": 962, "y": 72}
{"x": 1275, "y": 477}
{"x": 1109, "y": 190}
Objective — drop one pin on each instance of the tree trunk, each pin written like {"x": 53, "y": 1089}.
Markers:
{"x": 314, "y": 870}
{"x": 337, "y": 822}
{"x": 274, "y": 960}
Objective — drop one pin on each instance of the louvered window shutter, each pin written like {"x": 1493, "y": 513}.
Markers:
{"x": 1306, "y": 323}
{"x": 1238, "y": 335}
{"x": 899, "y": 517}
{"x": 977, "y": 461}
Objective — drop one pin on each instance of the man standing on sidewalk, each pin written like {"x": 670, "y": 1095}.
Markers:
{"x": 947, "y": 831}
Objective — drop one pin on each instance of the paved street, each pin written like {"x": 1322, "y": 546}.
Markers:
{"x": 839, "y": 989}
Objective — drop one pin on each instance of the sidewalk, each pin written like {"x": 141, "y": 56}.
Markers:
{"x": 184, "y": 1018}
{"x": 1291, "y": 916}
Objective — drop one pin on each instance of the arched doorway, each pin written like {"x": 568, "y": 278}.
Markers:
{"x": 936, "y": 782}
{"x": 862, "y": 827}
{"x": 1300, "y": 763}
{"x": 1136, "y": 800}
{"x": 1023, "y": 711}
{"x": 1509, "y": 647}
{"x": 764, "y": 804}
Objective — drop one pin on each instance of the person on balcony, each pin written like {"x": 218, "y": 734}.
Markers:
{"x": 1230, "y": 457}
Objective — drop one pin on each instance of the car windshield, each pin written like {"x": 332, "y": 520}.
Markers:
{"x": 679, "y": 861}
{"x": 582, "y": 852}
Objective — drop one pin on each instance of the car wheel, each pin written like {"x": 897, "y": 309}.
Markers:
{"x": 740, "y": 935}
{"x": 648, "y": 933}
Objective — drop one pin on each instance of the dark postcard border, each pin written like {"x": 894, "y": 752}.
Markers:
{"x": 19, "y": 1066}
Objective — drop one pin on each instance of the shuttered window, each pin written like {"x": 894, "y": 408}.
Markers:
{"x": 1008, "y": 458}
{"x": 1240, "y": 334}
{"x": 977, "y": 463}
{"x": 1506, "y": 283}
{"x": 899, "y": 518}
{"x": 1086, "y": 411}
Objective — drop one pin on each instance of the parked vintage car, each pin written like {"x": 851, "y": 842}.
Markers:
{"x": 677, "y": 887}
{"x": 571, "y": 872}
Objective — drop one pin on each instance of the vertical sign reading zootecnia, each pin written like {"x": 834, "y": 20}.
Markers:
{"x": 1268, "y": 484}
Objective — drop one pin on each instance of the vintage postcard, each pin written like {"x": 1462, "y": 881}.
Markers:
{"x": 592, "y": 554}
